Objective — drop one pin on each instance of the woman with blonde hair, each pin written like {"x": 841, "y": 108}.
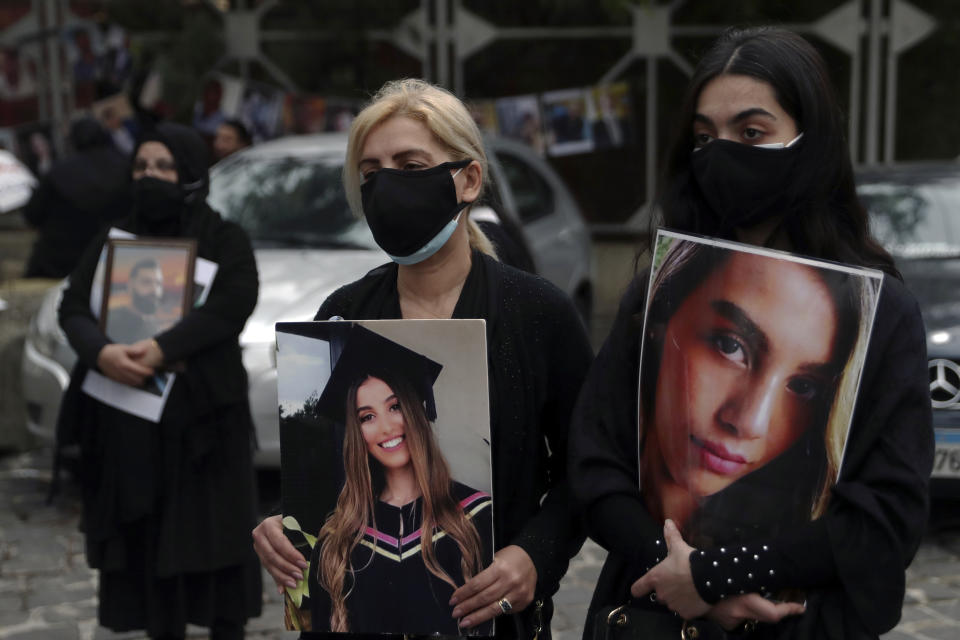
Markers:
{"x": 415, "y": 164}
{"x": 403, "y": 534}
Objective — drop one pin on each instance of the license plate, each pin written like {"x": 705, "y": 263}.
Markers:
{"x": 946, "y": 460}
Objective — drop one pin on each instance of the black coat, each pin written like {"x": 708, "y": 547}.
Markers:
{"x": 77, "y": 198}
{"x": 182, "y": 491}
{"x": 538, "y": 353}
{"x": 851, "y": 561}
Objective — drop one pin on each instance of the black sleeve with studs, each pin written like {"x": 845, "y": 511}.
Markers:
{"x": 797, "y": 560}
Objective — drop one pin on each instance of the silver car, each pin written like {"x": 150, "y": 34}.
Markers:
{"x": 287, "y": 194}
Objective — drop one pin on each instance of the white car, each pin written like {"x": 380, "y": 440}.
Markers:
{"x": 287, "y": 194}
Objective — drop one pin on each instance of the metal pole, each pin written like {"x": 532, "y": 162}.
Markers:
{"x": 873, "y": 86}
{"x": 458, "y": 79}
{"x": 890, "y": 107}
{"x": 56, "y": 81}
{"x": 425, "y": 40}
{"x": 651, "y": 168}
{"x": 855, "y": 73}
{"x": 441, "y": 39}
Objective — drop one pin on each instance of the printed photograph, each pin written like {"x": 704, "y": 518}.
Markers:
{"x": 519, "y": 118}
{"x": 148, "y": 287}
{"x": 567, "y": 116}
{"x": 610, "y": 124}
{"x": 385, "y": 471}
{"x": 750, "y": 365}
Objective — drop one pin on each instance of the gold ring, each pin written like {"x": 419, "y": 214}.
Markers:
{"x": 505, "y": 605}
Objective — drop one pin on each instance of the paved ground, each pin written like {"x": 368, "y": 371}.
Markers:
{"x": 47, "y": 591}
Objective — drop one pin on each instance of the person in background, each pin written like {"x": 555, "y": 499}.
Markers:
{"x": 231, "y": 136}
{"x": 80, "y": 195}
{"x": 167, "y": 506}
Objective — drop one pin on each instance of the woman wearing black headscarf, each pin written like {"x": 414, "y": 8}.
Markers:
{"x": 167, "y": 506}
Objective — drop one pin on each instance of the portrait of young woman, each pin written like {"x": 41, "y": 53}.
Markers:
{"x": 759, "y": 157}
{"x": 750, "y": 365}
{"x": 403, "y": 534}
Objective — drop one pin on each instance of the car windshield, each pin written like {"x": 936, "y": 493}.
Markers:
{"x": 912, "y": 217}
{"x": 288, "y": 201}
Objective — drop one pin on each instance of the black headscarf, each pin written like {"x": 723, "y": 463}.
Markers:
{"x": 191, "y": 155}
{"x": 88, "y": 133}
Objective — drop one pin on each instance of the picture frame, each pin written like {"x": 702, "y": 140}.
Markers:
{"x": 147, "y": 286}
{"x": 434, "y": 372}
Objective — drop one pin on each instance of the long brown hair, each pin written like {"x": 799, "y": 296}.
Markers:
{"x": 344, "y": 528}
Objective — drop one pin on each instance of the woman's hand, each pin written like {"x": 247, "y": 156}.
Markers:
{"x": 277, "y": 554}
{"x": 512, "y": 576}
{"x": 730, "y": 612}
{"x": 671, "y": 580}
{"x": 122, "y": 363}
{"x": 148, "y": 352}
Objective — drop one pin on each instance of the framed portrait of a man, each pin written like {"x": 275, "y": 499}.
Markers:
{"x": 148, "y": 287}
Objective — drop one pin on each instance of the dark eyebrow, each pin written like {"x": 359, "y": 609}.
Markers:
{"x": 747, "y": 327}
{"x": 751, "y": 331}
{"x": 749, "y": 113}
{"x": 740, "y": 117}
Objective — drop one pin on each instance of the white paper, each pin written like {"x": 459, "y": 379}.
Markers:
{"x": 138, "y": 402}
{"x": 132, "y": 400}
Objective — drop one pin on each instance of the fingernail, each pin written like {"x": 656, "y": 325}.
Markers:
{"x": 303, "y": 564}
{"x": 466, "y": 622}
{"x": 457, "y": 613}
{"x": 280, "y": 589}
{"x": 453, "y": 601}
{"x": 292, "y": 584}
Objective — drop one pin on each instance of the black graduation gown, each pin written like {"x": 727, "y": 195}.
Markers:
{"x": 851, "y": 561}
{"x": 538, "y": 354}
{"x": 391, "y": 590}
{"x": 168, "y": 507}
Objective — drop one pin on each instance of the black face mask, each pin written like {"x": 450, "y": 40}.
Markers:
{"x": 157, "y": 199}
{"x": 407, "y": 209}
{"x": 745, "y": 185}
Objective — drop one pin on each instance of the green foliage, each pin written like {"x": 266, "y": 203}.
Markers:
{"x": 302, "y": 590}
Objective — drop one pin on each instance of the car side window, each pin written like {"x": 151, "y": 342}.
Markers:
{"x": 531, "y": 191}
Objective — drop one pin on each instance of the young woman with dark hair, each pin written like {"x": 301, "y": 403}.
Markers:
{"x": 760, "y": 157}
{"x": 397, "y": 483}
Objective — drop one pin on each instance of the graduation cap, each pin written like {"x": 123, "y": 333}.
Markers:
{"x": 370, "y": 354}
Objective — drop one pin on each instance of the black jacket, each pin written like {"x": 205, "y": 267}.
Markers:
{"x": 538, "y": 354}
{"x": 851, "y": 561}
{"x": 78, "y": 197}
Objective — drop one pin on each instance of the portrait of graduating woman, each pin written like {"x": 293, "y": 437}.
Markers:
{"x": 403, "y": 534}
{"x": 749, "y": 373}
